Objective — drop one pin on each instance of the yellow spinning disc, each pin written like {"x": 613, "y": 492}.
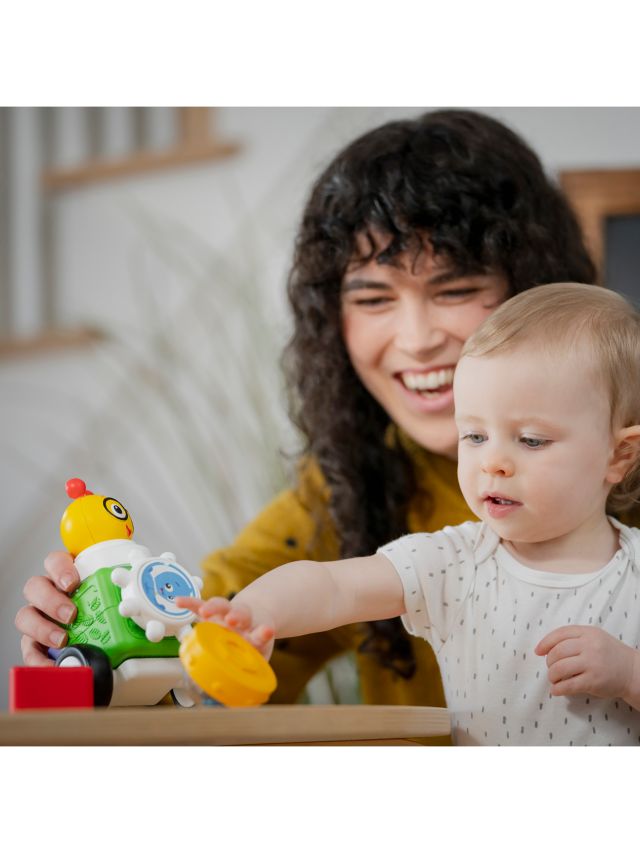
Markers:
{"x": 226, "y": 666}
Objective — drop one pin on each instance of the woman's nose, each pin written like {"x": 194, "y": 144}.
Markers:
{"x": 418, "y": 332}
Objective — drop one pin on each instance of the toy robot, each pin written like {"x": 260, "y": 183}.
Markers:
{"x": 128, "y": 628}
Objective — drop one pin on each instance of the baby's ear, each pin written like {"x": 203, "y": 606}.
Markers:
{"x": 626, "y": 451}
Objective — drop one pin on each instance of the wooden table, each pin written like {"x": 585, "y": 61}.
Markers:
{"x": 203, "y": 726}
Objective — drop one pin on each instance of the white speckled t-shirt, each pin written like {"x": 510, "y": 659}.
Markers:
{"x": 483, "y": 612}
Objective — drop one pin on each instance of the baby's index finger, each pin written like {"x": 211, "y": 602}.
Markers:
{"x": 193, "y": 604}
{"x": 207, "y": 609}
{"x": 566, "y": 632}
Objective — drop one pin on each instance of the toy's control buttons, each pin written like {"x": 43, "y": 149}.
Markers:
{"x": 149, "y": 590}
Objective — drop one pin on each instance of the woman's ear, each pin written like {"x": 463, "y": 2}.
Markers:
{"x": 625, "y": 452}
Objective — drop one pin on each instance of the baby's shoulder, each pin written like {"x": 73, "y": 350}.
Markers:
{"x": 629, "y": 540}
{"x": 458, "y": 542}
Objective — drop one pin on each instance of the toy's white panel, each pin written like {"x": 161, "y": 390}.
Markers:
{"x": 144, "y": 681}
{"x": 113, "y": 552}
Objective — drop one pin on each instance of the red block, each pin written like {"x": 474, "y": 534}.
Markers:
{"x": 50, "y": 687}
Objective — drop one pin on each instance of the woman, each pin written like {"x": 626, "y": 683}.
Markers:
{"x": 410, "y": 238}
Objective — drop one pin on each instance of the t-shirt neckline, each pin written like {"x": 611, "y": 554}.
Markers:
{"x": 538, "y": 577}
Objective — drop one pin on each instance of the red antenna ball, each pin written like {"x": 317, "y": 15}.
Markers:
{"x": 76, "y": 488}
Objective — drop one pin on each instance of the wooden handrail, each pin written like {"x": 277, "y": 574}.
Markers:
{"x": 16, "y": 347}
{"x": 196, "y": 144}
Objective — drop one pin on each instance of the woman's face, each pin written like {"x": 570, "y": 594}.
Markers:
{"x": 404, "y": 324}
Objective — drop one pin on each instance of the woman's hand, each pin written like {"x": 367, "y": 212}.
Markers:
{"x": 238, "y": 617}
{"x": 47, "y": 597}
{"x": 583, "y": 659}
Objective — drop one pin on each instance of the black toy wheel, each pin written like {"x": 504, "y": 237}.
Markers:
{"x": 95, "y": 658}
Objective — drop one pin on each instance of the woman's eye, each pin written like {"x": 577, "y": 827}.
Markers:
{"x": 534, "y": 442}
{"x": 460, "y": 293}
{"x": 374, "y": 301}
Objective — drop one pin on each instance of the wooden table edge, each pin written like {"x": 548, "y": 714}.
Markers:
{"x": 203, "y": 726}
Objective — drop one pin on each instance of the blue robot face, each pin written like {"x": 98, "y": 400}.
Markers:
{"x": 171, "y": 584}
{"x": 162, "y": 582}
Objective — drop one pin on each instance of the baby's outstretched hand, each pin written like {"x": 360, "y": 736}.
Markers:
{"x": 583, "y": 659}
{"x": 237, "y": 617}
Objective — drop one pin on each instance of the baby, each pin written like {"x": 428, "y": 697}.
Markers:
{"x": 533, "y": 610}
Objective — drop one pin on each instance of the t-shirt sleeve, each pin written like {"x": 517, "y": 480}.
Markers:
{"x": 437, "y": 571}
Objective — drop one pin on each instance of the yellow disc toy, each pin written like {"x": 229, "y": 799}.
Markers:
{"x": 226, "y": 666}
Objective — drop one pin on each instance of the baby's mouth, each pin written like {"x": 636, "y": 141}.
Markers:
{"x": 500, "y": 501}
{"x": 430, "y": 383}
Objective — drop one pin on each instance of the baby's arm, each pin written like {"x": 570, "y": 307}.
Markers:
{"x": 306, "y": 597}
{"x": 584, "y": 659}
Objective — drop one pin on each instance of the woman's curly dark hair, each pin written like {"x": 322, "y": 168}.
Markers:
{"x": 481, "y": 196}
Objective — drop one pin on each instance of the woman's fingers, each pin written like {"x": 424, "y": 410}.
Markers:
{"x": 41, "y": 593}
{"x": 46, "y": 605}
{"x": 62, "y": 571}
{"x": 30, "y": 622}
{"x": 33, "y": 654}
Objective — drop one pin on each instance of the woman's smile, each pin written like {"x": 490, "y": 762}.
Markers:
{"x": 428, "y": 390}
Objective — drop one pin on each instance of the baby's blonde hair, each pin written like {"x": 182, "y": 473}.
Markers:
{"x": 571, "y": 317}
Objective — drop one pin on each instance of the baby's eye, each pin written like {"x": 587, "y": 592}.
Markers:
{"x": 534, "y": 442}
{"x": 473, "y": 438}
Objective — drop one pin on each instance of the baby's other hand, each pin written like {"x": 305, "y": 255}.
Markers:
{"x": 237, "y": 617}
{"x": 584, "y": 659}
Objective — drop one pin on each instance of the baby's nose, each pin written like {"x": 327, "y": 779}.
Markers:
{"x": 499, "y": 464}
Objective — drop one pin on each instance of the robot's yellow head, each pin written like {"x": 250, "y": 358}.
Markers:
{"x": 92, "y": 518}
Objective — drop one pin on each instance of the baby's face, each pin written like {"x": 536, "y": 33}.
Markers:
{"x": 535, "y": 442}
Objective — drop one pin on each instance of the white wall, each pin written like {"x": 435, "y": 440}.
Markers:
{"x": 180, "y": 412}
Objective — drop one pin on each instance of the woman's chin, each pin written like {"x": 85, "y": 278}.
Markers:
{"x": 443, "y": 442}
{"x": 449, "y": 451}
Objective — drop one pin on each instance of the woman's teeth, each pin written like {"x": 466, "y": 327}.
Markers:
{"x": 427, "y": 383}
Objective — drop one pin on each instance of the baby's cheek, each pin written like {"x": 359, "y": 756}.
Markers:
{"x": 466, "y": 468}
{"x": 466, "y": 480}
